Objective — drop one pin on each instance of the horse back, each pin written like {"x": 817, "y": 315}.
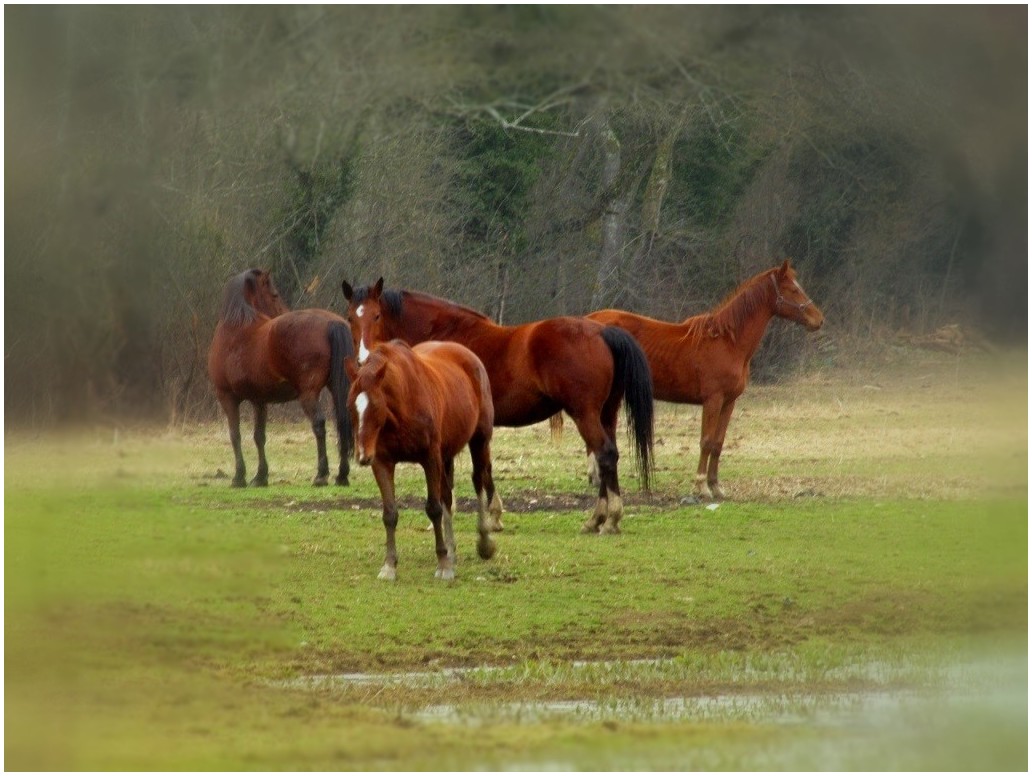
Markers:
{"x": 239, "y": 363}
{"x": 687, "y": 364}
{"x": 298, "y": 346}
{"x": 461, "y": 390}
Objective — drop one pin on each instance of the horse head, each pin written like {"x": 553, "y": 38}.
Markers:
{"x": 261, "y": 293}
{"x": 368, "y": 400}
{"x": 791, "y": 301}
{"x": 365, "y": 316}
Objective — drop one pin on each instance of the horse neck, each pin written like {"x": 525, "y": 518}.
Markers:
{"x": 425, "y": 318}
{"x": 744, "y": 318}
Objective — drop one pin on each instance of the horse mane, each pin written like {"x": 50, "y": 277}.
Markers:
{"x": 394, "y": 301}
{"x": 235, "y": 309}
{"x": 728, "y": 317}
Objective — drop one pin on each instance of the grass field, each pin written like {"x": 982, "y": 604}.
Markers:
{"x": 860, "y": 602}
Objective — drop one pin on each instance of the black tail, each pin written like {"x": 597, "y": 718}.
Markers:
{"x": 634, "y": 376}
{"x": 341, "y": 347}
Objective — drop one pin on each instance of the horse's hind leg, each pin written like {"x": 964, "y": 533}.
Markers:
{"x": 483, "y": 486}
{"x": 261, "y": 415}
{"x": 231, "y": 407}
{"x": 313, "y": 410}
{"x": 384, "y": 475}
{"x": 609, "y": 507}
{"x": 489, "y": 502}
{"x": 439, "y": 516}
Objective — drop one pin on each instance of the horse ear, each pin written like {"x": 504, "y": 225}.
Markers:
{"x": 349, "y": 292}
{"x": 377, "y": 289}
{"x": 786, "y": 267}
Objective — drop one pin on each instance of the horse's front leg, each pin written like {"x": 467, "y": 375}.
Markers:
{"x": 384, "y": 475}
{"x": 313, "y": 410}
{"x": 261, "y": 416}
{"x": 707, "y": 440}
{"x": 231, "y": 407}
{"x": 717, "y": 445}
{"x": 439, "y": 515}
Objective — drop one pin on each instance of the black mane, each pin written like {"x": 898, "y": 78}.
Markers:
{"x": 390, "y": 298}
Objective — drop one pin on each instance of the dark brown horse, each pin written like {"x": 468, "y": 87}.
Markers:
{"x": 536, "y": 370}
{"x": 264, "y": 353}
{"x": 423, "y": 405}
{"x": 705, "y": 359}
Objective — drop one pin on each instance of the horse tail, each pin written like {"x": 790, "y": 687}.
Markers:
{"x": 633, "y": 376}
{"x": 555, "y": 425}
{"x": 341, "y": 348}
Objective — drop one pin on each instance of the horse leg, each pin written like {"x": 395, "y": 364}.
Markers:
{"x": 483, "y": 486}
{"x": 607, "y": 468}
{"x": 593, "y": 479}
{"x": 439, "y": 515}
{"x": 313, "y": 410}
{"x": 261, "y": 415}
{"x": 717, "y": 445}
{"x": 448, "y": 502}
{"x": 489, "y": 502}
{"x": 609, "y": 507}
{"x": 231, "y": 407}
{"x": 384, "y": 475}
{"x": 710, "y": 419}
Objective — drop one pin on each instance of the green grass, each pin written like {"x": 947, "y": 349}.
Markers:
{"x": 157, "y": 619}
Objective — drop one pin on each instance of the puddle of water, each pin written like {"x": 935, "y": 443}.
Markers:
{"x": 969, "y": 714}
{"x": 989, "y": 686}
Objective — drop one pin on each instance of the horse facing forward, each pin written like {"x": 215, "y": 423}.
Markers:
{"x": 705, "y": 358}
{"x": 264, "y": 353}
{"x": 423, "y": 405}
{"x": 536, "y": 370}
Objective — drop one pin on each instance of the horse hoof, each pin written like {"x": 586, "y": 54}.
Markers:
{"x": 496, "y": 526}
{"x": 446, "y": 575}
{"x": 388, "y": 573}
{"x": 609, "y": 529}
{"x": 589, "y": 527}
{"x": 257, "y": 483}
{"x": 486, "y": 548}
{"x": 342, "y": 481}
{"x": 321, "y": 481}
{"x": 238, "y": 484}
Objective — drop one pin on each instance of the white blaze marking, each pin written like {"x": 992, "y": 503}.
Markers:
{"x": 361, "y": 403}
{"x": 363, "y": 352}
{"x": 360, "y": 310}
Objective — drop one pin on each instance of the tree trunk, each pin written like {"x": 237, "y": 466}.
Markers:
{"x": 614, "y": 215}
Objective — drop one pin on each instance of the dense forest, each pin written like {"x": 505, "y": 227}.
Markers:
{"x": 528, "y": 161}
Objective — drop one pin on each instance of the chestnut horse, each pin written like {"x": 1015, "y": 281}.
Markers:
{"x": 705, "y": 359}
{"x": 264, "y": 353}
{"x": 423, "y": 405}
{"x": 536, "y": 370}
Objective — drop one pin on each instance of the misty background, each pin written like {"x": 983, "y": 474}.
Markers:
{"x": 527, "y": 161}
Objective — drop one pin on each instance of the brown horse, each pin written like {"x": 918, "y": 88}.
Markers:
{"x": 705, "y": 359}
{"x": 423, "y": 405}
{"x": 264, "y": 353}
{"x": 536, "y": 370}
